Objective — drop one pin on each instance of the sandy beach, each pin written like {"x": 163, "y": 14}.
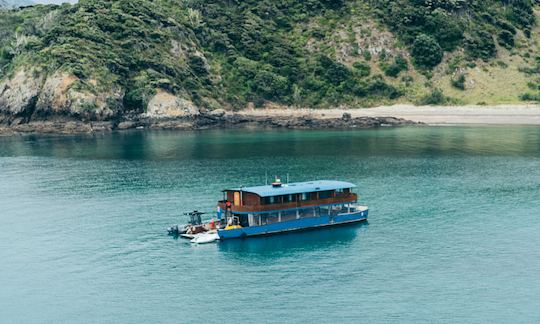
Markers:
{"x": 433, "y": 115}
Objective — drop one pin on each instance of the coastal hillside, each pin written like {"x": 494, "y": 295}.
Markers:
{"x": 108, "y": 60}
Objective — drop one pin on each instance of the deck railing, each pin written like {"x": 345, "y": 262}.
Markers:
{"x": 339, "y": 198}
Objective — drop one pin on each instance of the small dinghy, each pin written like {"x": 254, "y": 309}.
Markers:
{"x": 204, "y": 238}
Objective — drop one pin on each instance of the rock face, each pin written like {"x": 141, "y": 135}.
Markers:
{"x": 167, "y": 105}
{"x": 28, "y": 95}
{"x": 62, "y": 103}
{"x": 60, "y": 96}
{"x": 18, "y": 95}
{"x": 218, "y": 113}
{"x": 55, "y": 96}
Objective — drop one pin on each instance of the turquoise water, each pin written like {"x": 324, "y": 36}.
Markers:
{"x": 453, "y": 235}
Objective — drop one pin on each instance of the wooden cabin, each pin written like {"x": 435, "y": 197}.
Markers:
{"x": 278, "y": 196}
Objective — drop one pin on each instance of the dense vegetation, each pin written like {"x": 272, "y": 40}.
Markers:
{"x": 217, "y": 52}
{"x": 434, "y": 25}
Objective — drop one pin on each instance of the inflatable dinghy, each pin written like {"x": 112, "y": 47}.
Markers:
{"x": 204, "y": 238}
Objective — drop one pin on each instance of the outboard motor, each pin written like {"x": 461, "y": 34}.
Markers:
{"x": 174, "y": 230}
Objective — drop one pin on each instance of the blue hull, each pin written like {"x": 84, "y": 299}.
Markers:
{"x": 294, "y": 225}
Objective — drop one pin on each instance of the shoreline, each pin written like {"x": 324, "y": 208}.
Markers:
{"x": 430, "y": 115}
{"x": 229, "y": 120}
{"x": 291, "y": 118}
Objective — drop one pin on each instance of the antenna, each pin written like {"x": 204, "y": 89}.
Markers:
{"x": 287, "y": 178}
{"x": 266, "y": 177}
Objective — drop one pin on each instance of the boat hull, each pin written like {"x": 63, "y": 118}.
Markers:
{"x": 295, "y": 225}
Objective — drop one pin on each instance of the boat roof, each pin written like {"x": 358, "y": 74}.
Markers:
{"x": 296, "y": 187}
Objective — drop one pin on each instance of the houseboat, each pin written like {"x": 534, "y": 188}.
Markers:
{"x": 278, "y": 208}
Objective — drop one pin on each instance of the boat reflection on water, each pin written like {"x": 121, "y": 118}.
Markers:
{"x": 274, "y": 245}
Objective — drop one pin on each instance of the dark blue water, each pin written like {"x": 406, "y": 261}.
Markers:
{"x": 453, "y": 235}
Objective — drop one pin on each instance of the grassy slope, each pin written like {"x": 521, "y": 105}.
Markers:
{"x": 499, "y": 80}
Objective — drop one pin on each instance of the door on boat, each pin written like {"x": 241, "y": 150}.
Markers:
{"x": 236, "y": 198}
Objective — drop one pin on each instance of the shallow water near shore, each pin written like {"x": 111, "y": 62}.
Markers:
{"x": 453, "y": 232}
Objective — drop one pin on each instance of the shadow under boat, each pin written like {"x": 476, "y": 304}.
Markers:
{"x": 290, "y": 241}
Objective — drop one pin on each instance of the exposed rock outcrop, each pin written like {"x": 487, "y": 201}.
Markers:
{"x": 61, "y": 96}
{"x": 54, "y": 95}
{"x": 28, "y": 95}
{"x": 19, "y": 94}
{"x": 167, "y": 105}
{"x": 235, "y": 120}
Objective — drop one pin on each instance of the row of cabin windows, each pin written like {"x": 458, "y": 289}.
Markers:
{"x": 276, "y": 217}
{"x": 306, "y": 196}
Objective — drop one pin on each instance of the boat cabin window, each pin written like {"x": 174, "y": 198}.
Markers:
{"x": 288, "y": 215}
{"x": 289, "y": 198}
{"x": 325, "y": 194}
{"x": 308, "y": 212}
{"x": 304, "y": 196}
{"x": 344, "y": 190}
{"x": 272, "y": 218}
{"x": 271, "y": 200}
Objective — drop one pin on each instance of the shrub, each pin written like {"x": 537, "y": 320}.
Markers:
{"x": 367, "y": 55}
{"x": 426, "y": 51}
{"x": 480, "y": 46}
{"x": 383, "y": 55}
{"x": 532, "y": 85}
{"x": 198, "y": 65}
{"x": 521, "y": 13}
{"x": 488, "y": 18}
{"x": 270, "y": 85}
{"x": 506, "y": 26}
{"x": 447, "y": 30}
{"x": 530, "y": 97}
{"x": 377, "y": 86}
{"x": 436, "y": 97}
{"x": 333, "y": 71}
{"x": 363, "y": 69}
{"x": 506, "y": 39}
{"x": 459, "y": 83}
{"x": 501, "y": 64}
{"x": 355, "y": 50}
{"x": 401, "y": 62}
{"x": 137, "y": 98}
{"x": 407, "y": 79}
{"x": 391, "y": 70}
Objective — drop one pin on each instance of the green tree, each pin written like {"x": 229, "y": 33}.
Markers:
{"x": 333, "y": 71}
{"x": 480, "y": 46}
{"x": 426, "y": 52}
{"x": 270, "y": 85}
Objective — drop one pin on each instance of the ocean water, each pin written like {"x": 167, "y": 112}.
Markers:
{"x": 453, "y": 233}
